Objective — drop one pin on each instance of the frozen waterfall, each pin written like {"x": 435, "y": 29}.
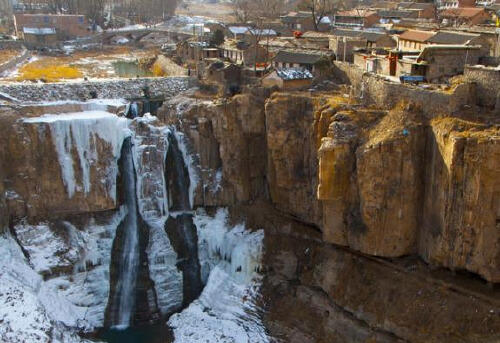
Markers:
{"x": 129, "y": 262}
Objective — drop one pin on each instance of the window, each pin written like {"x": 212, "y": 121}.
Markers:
{"x": 80, "y": 20}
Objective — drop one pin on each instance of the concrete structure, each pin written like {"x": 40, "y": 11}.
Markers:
{"x": 288, "y": 79}
{"x": 66, "y": 26}
{"x": 348, "y": 40}
{"x": 356, "y": 18}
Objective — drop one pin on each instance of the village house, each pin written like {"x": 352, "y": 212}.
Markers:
{"x": 343, "y": 42}
{"x": 425, "y": 10}
{"x": 226, "y": 76}
{"x": 288, "y": 79}
{"x": 302, "y": 21}
{"x": 413, "y": 40}
{"x": 444, "y": 4}
{"x": 66, "y": 26}
{"x": 192, "y": 50}
{"x": 39, "y": 37}
{"x": 392, "y": 15}
{"x": 465, "y": 16}
{"x": 433, "y": 63}
{"x": 356, "y": 18}
{"x": 304, "y": 59}
{"x": 243, "y": 53}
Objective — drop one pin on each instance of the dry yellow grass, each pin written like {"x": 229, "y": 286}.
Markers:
{"x": 51, "y": 73}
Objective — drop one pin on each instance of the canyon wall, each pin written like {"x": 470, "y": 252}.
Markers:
{"x": 387, "y": 183}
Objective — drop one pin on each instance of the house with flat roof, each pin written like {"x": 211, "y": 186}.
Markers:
{"x": 288, "y": 78}
{"x": 299, "y": 59}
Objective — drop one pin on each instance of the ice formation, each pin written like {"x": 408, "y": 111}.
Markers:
{"x": 79, "y": 131}
{"x": 226, "y": 311}
{"x": 75, "y": 264}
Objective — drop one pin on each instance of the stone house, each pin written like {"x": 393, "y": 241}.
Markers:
{"x": 191, "y": 50}
{"x": 348, "y": 40}
{"x": 288, "y": 79}
{"x": 227, "y": 76}
{"x": 67, "y": 26}
{"x": 243, "y": 53}
{"x": 356, "y": 18}
{"x": 434, "y": 62}
{"x": 39, "y": 37}
{"x": 465, "y": 16}
{"x": 298, "y": 21}
{"x": 303, "y": 59}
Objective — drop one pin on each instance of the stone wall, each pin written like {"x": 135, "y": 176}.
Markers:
{"x": 373, "y": 89}
{"x": 487, "y": 80}
{"x": 109, "y": 89}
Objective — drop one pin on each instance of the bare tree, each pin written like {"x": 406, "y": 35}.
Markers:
{"x": 320, "y": 9}
{"x": 249, "y": 10}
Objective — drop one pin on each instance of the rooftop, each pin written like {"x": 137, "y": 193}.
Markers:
{"x": 416, "y": 36}
{"x": 446, "y": 37}
{"x": 356, "y": 13}
{"x": 464, "y": 12}
{"x": 298, "y": 56}
{"x": 39, "y": 31}
{"x": 294, "y": 74}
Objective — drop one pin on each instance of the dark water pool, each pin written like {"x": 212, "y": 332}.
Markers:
{"x": 145, "y": 334}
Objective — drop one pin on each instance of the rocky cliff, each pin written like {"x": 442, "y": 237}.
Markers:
{"x": 386, "y": 183}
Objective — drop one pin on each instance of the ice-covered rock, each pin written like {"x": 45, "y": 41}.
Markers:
{"x": 79, "y": 132}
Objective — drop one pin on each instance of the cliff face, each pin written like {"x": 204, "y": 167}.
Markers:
{"x": 228, "y": 142}
{"x": 462, "y": 205}
{"x": 292, "y": 156}
{"x": 57, "y": 168}
{"x": 385, "y": 183}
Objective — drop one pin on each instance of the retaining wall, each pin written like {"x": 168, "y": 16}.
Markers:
{"x": 102, "y": 89}
{"x": 376, "y": 90}
{"x": 487, "y": 80}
